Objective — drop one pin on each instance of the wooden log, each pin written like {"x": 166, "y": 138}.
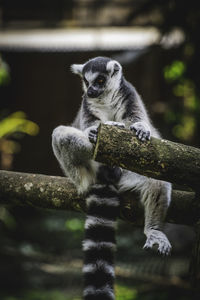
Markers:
{"x": 55, "y": 192}
{"x": 157, "y": 158}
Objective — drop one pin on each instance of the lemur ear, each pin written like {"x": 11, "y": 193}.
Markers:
{"x": 77, "y": 69}
{"x": 113, "y": 67}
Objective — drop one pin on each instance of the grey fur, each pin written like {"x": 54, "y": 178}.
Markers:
{"x": 112, "y": 99}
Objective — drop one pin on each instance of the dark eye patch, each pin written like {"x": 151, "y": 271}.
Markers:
{"x": 100, "y": 80}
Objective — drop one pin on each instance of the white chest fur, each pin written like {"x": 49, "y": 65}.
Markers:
{"x": 103, "y": 112}
{"x": 107, "y": 110}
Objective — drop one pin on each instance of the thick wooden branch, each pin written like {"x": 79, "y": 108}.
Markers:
{"x": 157, "y": 158}
{"x": 53, "y": 192}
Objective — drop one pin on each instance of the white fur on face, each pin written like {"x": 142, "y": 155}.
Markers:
{"x": 90, "y": 76}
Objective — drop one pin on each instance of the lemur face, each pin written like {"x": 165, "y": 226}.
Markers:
{"x": 100, "y": 75}
{"x": 94, "y": 84}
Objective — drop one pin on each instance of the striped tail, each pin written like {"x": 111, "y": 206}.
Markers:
{"x": 99, "y": 243}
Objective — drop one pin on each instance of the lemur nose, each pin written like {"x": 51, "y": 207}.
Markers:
{"x": 91, "y": 92}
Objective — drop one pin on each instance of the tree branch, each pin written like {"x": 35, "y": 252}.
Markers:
{"x": 157, "y": 158}
{"x": 59, "y": 193}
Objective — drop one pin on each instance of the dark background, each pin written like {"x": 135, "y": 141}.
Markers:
{"x": 40, "y": 250}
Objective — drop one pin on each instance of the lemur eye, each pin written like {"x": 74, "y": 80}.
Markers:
{"x": 86, "y": 82}
{"x": 100, "y": 80}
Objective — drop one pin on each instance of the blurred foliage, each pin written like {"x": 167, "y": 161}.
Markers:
{"x": 125, "y": 293}
{"x": 183, "y": 120}
{"x": 36, "y": 295}
{"x": 122, "y": 293}
{"x": 4, "y": 72}
{"x": 181, "y": 66}
{"x": 12, "y": 128}
{"x": 17, "y": 122}
{"x": 45, "y": 295}
{"x": 75, "y": 224}
{"x": 174, "y": 71}
{"x": 6, "y": 218}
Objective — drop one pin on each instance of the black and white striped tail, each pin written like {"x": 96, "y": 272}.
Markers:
{"x": 99, "y": 243}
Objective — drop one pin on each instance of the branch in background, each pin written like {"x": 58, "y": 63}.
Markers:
{"x": 157, "y": 158}
{"x": 53, "y": 192}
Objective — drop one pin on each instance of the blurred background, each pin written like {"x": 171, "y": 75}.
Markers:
{"x": 158, "y": 44}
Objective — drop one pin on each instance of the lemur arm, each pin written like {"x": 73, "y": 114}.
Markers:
{"x": 136, "y": 118}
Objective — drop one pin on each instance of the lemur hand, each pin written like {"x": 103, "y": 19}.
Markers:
{"x": 92, "y": 133}
{"x": 142, "y": 131}
{"x": 93, "y": 130}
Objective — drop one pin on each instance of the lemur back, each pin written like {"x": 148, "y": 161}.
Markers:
{"x": 108, "y": 98}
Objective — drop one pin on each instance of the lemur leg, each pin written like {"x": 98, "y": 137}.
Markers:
{"x": 73, "y": 150}
{"x": 155, "y": 196}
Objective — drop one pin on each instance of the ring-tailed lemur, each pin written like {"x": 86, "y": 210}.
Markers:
{"x": 108, "y": 98}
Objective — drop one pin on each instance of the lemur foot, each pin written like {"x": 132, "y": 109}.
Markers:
{"x": 117, "y": 124}
{"x": 156, "y": 237}
{"x": 142, "y": 131}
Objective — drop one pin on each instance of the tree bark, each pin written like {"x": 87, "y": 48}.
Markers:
{"x": 59, "y": 193}
{"x": 157, "y": 158}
